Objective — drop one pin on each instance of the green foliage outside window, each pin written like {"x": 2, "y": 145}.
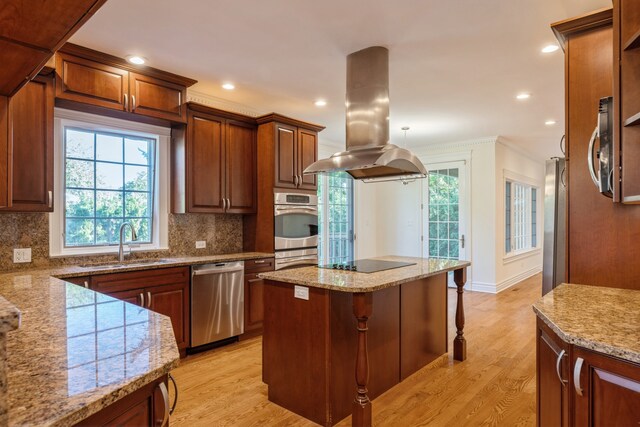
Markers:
{"x": 108, "y": 180}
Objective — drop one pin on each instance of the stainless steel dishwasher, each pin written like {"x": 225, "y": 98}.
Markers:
{"x": 217, "y": 302}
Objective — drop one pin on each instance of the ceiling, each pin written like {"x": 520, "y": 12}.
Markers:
{"x": 455, "y": 66}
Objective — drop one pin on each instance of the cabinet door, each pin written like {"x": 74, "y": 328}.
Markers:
{"x": 552, "y": 391}
{"x": 205, "y": 163}
{"x": 157, "y": 98}
{"x": 31, "y": 135}
{"x": 610, "y": 390}
{"x": 80, "y": 281}
{"x": 253, "y": 302}
{"x": 241, "y": 167}
{"x": 286, "y": 152}
{"x": 90, "y": 82}
{"x": 134, "y": 296}
{"x": 172, "y": 301}
{"x": 307, "y": 154}
{"x": 4, "y": 152}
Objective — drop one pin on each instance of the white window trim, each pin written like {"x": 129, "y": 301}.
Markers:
{"x": 514, "y": 177}
{"x": 160, "y": 238}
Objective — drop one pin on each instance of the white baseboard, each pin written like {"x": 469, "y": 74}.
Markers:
{"x": 494, "y": 288}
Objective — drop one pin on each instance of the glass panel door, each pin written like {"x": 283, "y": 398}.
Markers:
{"x": 445, "y": 212}
{"x": 335, "y": 206}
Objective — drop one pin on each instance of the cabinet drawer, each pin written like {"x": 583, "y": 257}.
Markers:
{"x": 80, "y": 281}
{"x": 258, "y": 265}
{"x": 114, "y": 282}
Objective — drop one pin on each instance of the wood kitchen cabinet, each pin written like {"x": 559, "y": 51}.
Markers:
{"x": 580, "y": 387}
{"x": 88, "y": 78}
{"x": 296, "y": 148}
{"x": 146, "y": 406}
{"x": 626, "y": 92}
{"x": 30, "y": 134}
{"x": 552, "y": 361}
{"x": 254, "y": 295}
{"x": 607, "y": 390}
{"x": 588, "y": 44}
{"x": 31, "y": 33}
{"x": 214, "y": 163}
{"x": 163, "y": 290}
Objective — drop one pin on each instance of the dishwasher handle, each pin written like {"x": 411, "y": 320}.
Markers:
{"x": 217, "y": 270}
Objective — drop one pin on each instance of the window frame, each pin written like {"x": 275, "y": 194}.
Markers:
{"x": 91, "y": 122}
{"x": 530, "y": 184}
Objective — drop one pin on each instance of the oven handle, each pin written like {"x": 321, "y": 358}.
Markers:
{"x": 297, "y": 208}
{"x": 304, "y": 260}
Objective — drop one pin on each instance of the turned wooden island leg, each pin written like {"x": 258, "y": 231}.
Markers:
{"x": 362, "y": 308}
{"x": 459, "y": 343}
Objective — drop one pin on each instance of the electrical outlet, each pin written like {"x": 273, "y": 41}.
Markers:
{"x": 201, "y": 244}
{"x": 22, "y": 255}
{"x": 301, "y": 292}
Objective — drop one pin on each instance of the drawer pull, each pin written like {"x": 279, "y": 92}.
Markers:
{"x": 260, "y": 261}
{"x": 86, "y": 284}
{"x": 141, "y": 299}
{"x": 558, "y": 362}
{"x": 148, "y": 299}
{"x": 576, "y": 375}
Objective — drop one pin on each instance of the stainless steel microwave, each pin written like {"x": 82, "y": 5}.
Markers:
{"x": 296, "y": 221}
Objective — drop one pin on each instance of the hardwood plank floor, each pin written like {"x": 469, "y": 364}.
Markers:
{"x": 495, "y": 386}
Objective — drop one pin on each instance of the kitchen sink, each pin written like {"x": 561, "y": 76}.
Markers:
{"x": 131, "y": 263}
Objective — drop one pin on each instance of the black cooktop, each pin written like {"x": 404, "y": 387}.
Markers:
{"x": 367, "y": 265}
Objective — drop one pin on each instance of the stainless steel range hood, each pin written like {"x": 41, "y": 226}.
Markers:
{"x": 369, "y": 156}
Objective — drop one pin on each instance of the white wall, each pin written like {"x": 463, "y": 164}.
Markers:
{"x": 521, "y": 166}
{"x": 389, "y": 218}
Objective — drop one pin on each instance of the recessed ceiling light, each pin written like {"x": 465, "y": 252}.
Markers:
{"x": 228, "y": 86}
{"x": 320, "y": 103}
{"x": 550, "y": 48}
{"x": 550, "y": 122}
{"x": 523, "y": 95}
{"x": 138, "y": 60}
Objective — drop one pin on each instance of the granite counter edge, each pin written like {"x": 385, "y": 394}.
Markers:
{"x": 620, "y": 353}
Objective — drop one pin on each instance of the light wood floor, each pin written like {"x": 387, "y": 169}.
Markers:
{"x": 495, "y": 386}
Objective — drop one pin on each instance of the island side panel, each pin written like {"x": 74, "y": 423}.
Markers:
{"x": 423, "y": 323}
{"x": 383, "y": 339}
{"x": 295, "y": 353}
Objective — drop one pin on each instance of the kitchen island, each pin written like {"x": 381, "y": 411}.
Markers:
{"x": 323, "y": 325}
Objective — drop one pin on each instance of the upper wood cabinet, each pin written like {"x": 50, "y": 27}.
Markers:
{"x": 94, "y": 79}
{"x": 626, "y": 93}
{"x": 30, "y": 34}
{"x": 30, "y": 133}
{"x": 296, "y": 147}
{"x": 214, "y": 163}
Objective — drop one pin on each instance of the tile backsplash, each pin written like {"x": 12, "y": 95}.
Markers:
{"x": 223, "y": 234}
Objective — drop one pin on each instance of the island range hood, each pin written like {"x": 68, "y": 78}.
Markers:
{"x": 369, "y": 155}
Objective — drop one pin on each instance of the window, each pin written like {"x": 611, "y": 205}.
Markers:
{"x": 108, "y": 181}
{"x": 521, "y": 220}
{"x": 108, "y": 174}
{"x": 335, "y": 210}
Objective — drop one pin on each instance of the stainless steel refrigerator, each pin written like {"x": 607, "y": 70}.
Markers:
{"x": 555, "y": 220}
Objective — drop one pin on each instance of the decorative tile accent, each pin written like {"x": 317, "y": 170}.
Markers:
{"x": 602, "y": 319}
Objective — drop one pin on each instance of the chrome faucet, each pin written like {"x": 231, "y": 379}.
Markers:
{"x": 134, "y": 237}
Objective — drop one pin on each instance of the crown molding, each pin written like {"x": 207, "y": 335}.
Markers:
{"x": 222, "y": 104}
{"x": 448, "y": 146}
{"x": 522, "y": 151}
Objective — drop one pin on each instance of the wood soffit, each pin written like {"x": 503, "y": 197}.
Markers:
{"x": 597, "y": 18}
{"x": 105, "y": 58}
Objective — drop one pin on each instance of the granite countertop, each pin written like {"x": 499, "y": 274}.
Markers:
{"x": 606, "y": 320}
{"x": 77, "y": 351}
{"x": 348, "y": 281}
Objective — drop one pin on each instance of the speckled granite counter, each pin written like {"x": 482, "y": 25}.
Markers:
{"x": 347, "y": 281}
{"x": 77, "y": 351}
{"x": 606, "y": 320}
